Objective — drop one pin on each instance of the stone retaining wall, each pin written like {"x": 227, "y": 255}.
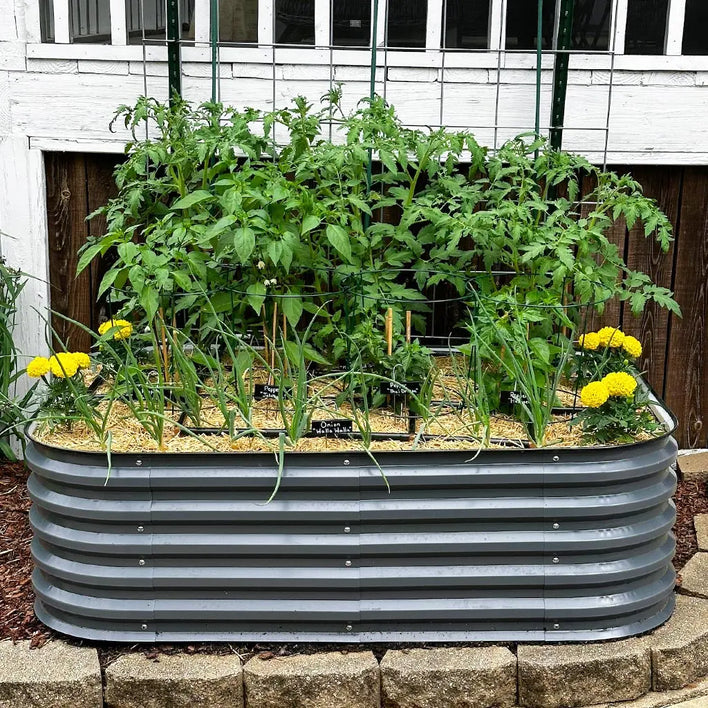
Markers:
{"x": 664, "y": 668}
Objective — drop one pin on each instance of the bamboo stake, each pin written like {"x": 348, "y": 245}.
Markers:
{"x": 275, "y": 334}
{"x": 286, "y": 363}
{"x": 408, "y": 326}
{"x": 265, "y": 335}
{"x": 163, "y": 335}
{"x": 389, "y": 330}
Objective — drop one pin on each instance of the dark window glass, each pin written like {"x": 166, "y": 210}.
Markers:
{"x": 46, "y": 20}
{"x": 295, "y": 22}
{"x": 591, "y": 25}
{"x": 351, "y": 23}
{"x": 646, "y": 26}
{"x": 154, "y": 21}
{"x": 238, "y": 20}
{"x": 406, "y": 23}
{"x": 467, "y": 24}
{"x": 90, "y": 21}
{"x": 695, "y": 28}
{"x": 522, "y": 22}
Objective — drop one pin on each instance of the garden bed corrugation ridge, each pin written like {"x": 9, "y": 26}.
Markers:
{"x": 460, "y": 550}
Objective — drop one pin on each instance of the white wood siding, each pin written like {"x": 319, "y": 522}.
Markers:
{"x": 62, "y": 96}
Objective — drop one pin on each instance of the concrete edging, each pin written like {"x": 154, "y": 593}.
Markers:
{"x": 660, "y": 669}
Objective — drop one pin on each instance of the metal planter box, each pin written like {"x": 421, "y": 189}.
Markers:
{"x": 513, "y": 545}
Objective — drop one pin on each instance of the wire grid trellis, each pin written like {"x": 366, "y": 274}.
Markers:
{"x": 380, "y": 54}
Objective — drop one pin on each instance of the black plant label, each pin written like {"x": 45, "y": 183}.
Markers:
{"x": 267, "y": 391}
{"x": 396, "y": 388}
{"x": 513, "y": 398}
{"x": 335, "y": 428}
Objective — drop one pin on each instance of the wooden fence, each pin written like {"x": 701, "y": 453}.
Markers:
{"x": 675, "y": 349}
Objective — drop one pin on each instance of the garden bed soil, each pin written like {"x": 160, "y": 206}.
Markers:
{"x": 18, "y": 621}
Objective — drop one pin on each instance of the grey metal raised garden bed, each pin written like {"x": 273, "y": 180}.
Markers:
{"x": 513, "y": 545}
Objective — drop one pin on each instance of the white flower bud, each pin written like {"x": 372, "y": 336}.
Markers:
{"x": 260, "y": 265}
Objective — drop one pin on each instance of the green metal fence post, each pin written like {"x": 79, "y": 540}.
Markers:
{"x": 560, "y": 72}
{"x": 174, "y": 60}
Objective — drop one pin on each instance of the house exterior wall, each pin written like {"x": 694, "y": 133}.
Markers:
{"x": 61, "y": 97}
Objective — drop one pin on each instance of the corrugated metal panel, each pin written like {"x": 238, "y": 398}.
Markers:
{"x": 513, "y": 545}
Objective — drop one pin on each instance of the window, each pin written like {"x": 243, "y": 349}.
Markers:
{"x": 46, "y": 20}
{"x": 90, "y": 21}
{"x": 295, "y": 22}
{"x": 149, "y": 16}
{"x": 522, "y": 22}
{"x": 238, "y": 20}
{"x": 646, "y": 26}
{"x": 351, "y": 23}
{"x": 406, "y": 23}
{"x": 467, "y": 24}
{"x": 591, "y": 25}
{"x": 695, "y": 28}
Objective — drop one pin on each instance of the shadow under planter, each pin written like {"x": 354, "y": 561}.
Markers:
{"x": 537, "y": 545}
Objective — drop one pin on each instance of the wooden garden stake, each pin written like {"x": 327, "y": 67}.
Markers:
{"x": 163, "y": 335}
{"x": 389, "y": 330}
{"x": 265, "y": 335}
{"x": 275, "y": 334}
{"x": 408, "y": 326}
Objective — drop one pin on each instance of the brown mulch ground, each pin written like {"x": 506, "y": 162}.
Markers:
{"x": 17, "y": 620}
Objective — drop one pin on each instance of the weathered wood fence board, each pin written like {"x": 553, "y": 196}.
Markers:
{"x": 675, "y": 349}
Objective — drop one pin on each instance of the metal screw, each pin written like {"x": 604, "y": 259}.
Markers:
{"x": 141, "y": 561}
{"x": 556, "y": 626}
{"x": 143, "y": 626}
{"x": 346, "y": 462}
{"x": 349, "y": 628}
{"x": 556, "y": 458}
{"x": 347, "y": 529}
{"x": 141, "y": 529}
{"x": 138, "y": 463}
{"x": 556, "y": 526}
{"x": 556, "y": 559}
{"x": 348, "y": 564}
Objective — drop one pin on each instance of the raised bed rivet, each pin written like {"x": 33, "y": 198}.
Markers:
{"x": 143, "y": 626}
{"x": 141, "y": 529}
{"x": 556, "y": 525}
{"x": 347, "y": 529}
{"x": 556, "y": 626}
{"x": 141, "y": 561}
{"x": 556, "y": 458}
{"x": 348, "y": 564}
{"x": 346, "y": 462}
{"x": 349, "y": 628}
{"x": 556, "y": 559}
{"x": 138, "y": 463}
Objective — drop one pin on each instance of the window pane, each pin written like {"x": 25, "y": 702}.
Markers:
{"x": 154, "y": 20}
{"x": 46, "y": 20}
{"x": 238, "y": 20}
{"x": 646, "y": 26}
{"x": 591, "y": 25}
{"x": 351, "y": 23}
{"x": 90, "y": 21}
{"x": 695, "y": 29}
{"x": 522, "y": 21}
{"x": 295, "y": 21}
{"x": 467, "y": 24}
{"x": 406, "y": 23}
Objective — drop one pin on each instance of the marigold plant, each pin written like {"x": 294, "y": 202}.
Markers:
{"x": 594, "y": 394}
{"x": 620, "y": 383}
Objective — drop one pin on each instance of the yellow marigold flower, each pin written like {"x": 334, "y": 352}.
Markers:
{"x": 620, "y": 383}
{"x": 632, "y": 346}
{"x": 611, "y": 337}
{"x": 594, "y": 394}
{"x": 126, "y": 328}
{"x": 63, "y": 365}
{"x": 590, "y": 341}
{"x": 82, "y": 360}
{"x": 39, "y": 366}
